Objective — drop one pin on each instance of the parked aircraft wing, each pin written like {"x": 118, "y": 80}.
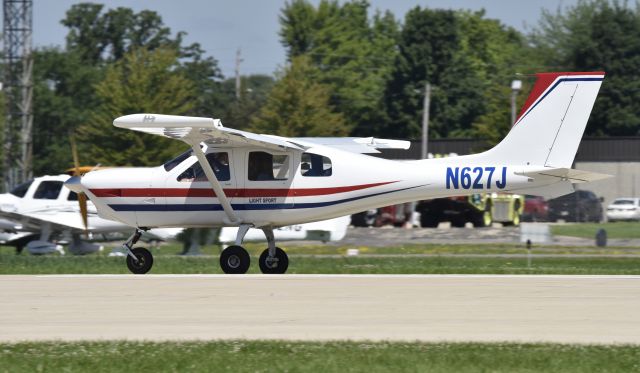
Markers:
{"x": 33, "y": 221}
{"x": 365, "y": 145}
{"x": 194, "y": 130}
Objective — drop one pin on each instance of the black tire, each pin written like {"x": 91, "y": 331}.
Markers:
{"x": 144, "y": 262}
{"x": 235, "y": 260}
{"x": 428, "y": 221}
{"x": 278, "y": 266}
{"x": 458, "y": 222}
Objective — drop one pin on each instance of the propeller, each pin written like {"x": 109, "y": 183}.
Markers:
{"x": 82, "y": 198}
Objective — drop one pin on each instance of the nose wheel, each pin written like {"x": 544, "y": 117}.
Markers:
{"x": 274, "y": 264}
{"x": 142, "y": 262}
{"x": 139, "y": 259}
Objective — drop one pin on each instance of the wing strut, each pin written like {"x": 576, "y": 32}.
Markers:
{"x": 215, "y": 184}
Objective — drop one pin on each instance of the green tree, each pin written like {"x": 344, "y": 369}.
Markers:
{"x": 65, "y": 79}
{"x": 353, "y": 54}
{"x": 468, "y": 60}
{"x": 497, "y": 53}
{"x": 599, "y": 35}
{"x": 254, "y": 90}
{"x": 98, "y": 35}
{"x": 142, "y": 82}
{"x": 63, "y": 96}
{"x": 299, "y": 106}
{"x": 430, "y": 51}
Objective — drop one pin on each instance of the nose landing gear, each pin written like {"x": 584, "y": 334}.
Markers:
{"x": 139, "y": 259}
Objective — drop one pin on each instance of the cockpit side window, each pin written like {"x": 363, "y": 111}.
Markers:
{"x": 170, "y": 165}
{"x": 21, "y": 189}
{"x": 218, "y": 161}
{"x": 48, "y": 190}
{"x": 315, "y": 165}
{"x": 264, "y": 166}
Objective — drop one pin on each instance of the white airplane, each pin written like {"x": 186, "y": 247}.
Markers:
{"x": 238, "y": 178}
{"x": 40, "y": 208}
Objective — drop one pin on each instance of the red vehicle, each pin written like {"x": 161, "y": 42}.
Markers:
{"x": 535, "y": 209}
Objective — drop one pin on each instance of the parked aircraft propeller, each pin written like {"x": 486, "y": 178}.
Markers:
{"x": 82, "y": 198}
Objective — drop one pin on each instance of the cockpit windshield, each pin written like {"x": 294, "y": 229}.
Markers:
{"x": 21, "y": 189}
{"x": 170, "y": 165}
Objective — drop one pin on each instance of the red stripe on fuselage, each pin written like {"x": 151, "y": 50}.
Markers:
{"x": 244, "y": 192}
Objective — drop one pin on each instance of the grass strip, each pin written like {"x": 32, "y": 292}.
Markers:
{"x": 170, "y": 264}
{"x": 623, "y": 229}
{"x": 281, "y": 356}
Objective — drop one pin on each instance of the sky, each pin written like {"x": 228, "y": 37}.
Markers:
{"x": 223, "y": 26}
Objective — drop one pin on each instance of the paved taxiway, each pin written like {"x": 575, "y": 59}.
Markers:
{"x": 575, "y": 309}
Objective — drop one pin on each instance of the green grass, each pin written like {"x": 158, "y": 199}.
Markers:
{"x": 588, "y": 230}
{"x": 281, "y": 356}
{"x": 27, "y": 264}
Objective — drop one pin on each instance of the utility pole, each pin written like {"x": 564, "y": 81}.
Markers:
{"x": 17, "y": 164}
{"x": 238, "y": 61}
{"x": 425, "y": 118}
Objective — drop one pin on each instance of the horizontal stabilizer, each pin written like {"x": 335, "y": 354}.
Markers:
{"x": 363, "y": 145}
{"x": 567, "y": 174}
{"x": 557, "y": 189}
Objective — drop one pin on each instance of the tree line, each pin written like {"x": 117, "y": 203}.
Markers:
{"x": 349, "y": 71}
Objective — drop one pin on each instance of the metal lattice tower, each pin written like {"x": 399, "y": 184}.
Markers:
{"x": 18, "y": 90}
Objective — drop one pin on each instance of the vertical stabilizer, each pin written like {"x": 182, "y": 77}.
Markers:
{"x": 551, "y": 123}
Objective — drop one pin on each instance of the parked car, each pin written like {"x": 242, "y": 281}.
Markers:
{"x": 624, "y": 209}
{"x": 581, "y": 205}
{"x": 536, "y": 208}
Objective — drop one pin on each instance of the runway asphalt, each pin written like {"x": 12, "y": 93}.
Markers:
{"x": 566, "y": 309}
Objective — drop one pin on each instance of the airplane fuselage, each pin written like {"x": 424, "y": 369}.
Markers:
{"x": 156, "y": 197}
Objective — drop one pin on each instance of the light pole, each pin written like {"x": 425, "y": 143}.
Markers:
{"x": 516, "y": 86}
{"x": 425, "y": 118}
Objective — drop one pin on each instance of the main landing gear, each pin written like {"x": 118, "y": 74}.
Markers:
{"x": 235, "y": 259}
{"x": 139, "y": 259}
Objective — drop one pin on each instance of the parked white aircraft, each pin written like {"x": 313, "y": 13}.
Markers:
{"x": 237, "y": 178}
{"x": 40, "y": 208}
{"x": 325, "y": 230}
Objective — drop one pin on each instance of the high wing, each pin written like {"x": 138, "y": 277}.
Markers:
{"x": 210, "y": 131}
{"x": 364, "y": 145}
{"x": 194, "y": 130}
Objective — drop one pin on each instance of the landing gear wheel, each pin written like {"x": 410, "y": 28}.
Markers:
{"x": 235, "y": 260}
{"x": 144, "y": 262}
{"x": 275, "y": 265}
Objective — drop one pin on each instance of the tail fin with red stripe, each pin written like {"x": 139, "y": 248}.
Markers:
{"x": 549, "y": 128}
